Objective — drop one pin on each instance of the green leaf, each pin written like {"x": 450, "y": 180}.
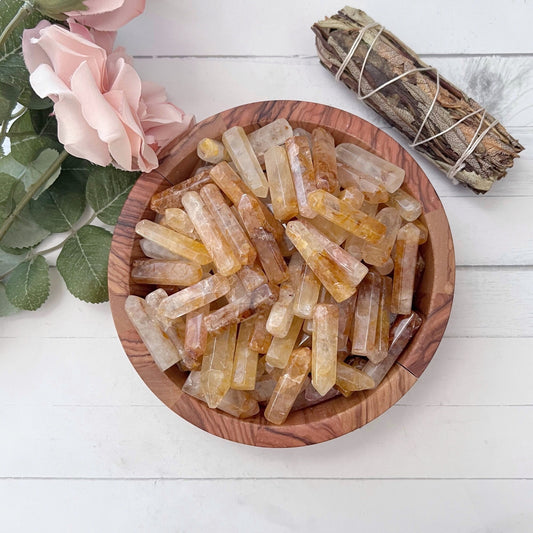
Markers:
{"x": 7, "y": 184}
{"x": 44, "y": 122}
{"x": 26, "y": 141}
{"x": 9, "y": 261}
{"x": 60, "y": 206}
{"x": 28, "y": 286}
{"x": 83, "y": 264}
{"x": 6, "y": 307}
{"x": 107, "y": 190}
{"x": 76, "y": 169}
{"x": 8, "y": 100}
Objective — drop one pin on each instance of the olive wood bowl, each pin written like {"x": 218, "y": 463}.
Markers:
{"x": 336, "y": 416}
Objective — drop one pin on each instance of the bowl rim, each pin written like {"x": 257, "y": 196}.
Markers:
{"x": 348, "y": 414}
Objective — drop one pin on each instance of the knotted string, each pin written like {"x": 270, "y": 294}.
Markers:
{"x": 476, "y": 138}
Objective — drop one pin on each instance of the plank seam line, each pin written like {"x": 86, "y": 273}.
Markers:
{"x": 53, "y": 478}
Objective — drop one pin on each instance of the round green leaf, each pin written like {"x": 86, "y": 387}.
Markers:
{"x": 83, "y": 263}
{"x": 107, "y": 190}
{"x": 6, "y": 307}
{"x": 28, "y": 286}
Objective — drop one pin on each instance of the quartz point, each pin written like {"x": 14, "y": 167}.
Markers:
{"x": 338, "y": 271}
{"x": 154, "y": 251}
{"x": 282, "y": 193}
{"x": 353, "y": 196}
{"x": 373, "y": 190}
{"x": 211, "y": 151}
{"x": 424, "y": 233}
{"x": 306, "y": 294}
{"x": 401, "y": 332}
{"x": 288, "y": 386}
{"x": 237, "y": 290}
{"x": 178, "y": 220}
{"x": 341, "y": 213}
{"x": 217, "y": 365}
{"x": 165, "y": 272}
{"x": 383, "y": 327}
{"x": 332, "y": 231}
{"x": 280, "y": 317}
{"x": 405, "y": 260}
{"x": 223, "y": 257}
{"x": 346, "y": 315}
{"x": 325, "y": 160}
{"x": 280, "y": 348}
{"x": 237, "y": 403}
{"x": 195, "y": 337}
{"x": 261, "y": 339}
{"x": 172, "y": 197}
{"x": 408, "y": 206}
{"x": 324, "y": 351}
{"x": 228, "y": 224}
{"x": 229, "y": 182}
{"x": 273, "y": 134}
{"x": 354, "y": 246}
{"x": 367, "y": 163}
{"x": 264, "y": 241}
{"x": 352, "y": 379}
{"x": 366, "y": 315}
{"x": 386, "y": 268}
{"x": 242, "y": 154}
{"x": 303, "y": 174}
{"x": 241, "y": 309}
{"x": 251, "y": 277}
{"x": 195, "y": 296}
{"x": 300, "y": 132}
{"x": 173, "y": 241}
{"x": 378, "y": 253}
{"x": 245, "y": 360}
{"x": 163, "y": 351}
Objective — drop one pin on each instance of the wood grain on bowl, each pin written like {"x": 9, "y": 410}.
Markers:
{"x": 337, "y": 416}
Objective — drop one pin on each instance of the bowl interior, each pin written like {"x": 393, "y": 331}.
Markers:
{"x": 333, "y": 417}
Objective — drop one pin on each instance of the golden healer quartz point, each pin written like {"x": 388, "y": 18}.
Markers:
{"x": 353, "y": 196}
{"x": 173, "y": 241}
{"x": 217, "y": 365}
{"x": 288, "y": 386}
{"x": 241, "y": 309}
{"x": 280, "y": 348}
{"x": 224, "y": 259}
{"x": 245, "y": 360}
{"x": 235, "y": 402}
{"x": 165, "y": 272}
{"x": 408, "y": 206}
{"x": 332, "y": 231}
{"x": 155, "y": 251}
{"x": 162, "y": 350}
{"x": 261, "y": 339}
{"x": 282, "y": 193}
{"x": 178, "y": 220}
{"x": 383, "y": 327}
{"x": 346, "y": 314}
{"x": 366, "y": 315}
{"x": 373, "y": 190}
{"x": 338, "y": 271}
{"x": 405, "y": 261}
{"x": 273, "y": 134}
{"x": 242, "y": 154}
{"x": 252, "y": 276}
{"x": 267, "y": 248}
{"x": 306, "y": 294}
{"x": 195, "y": 343}
{"x": 340, "y": 212}
{"x": 379, "y": 253}
{"x": 228, "y": 224}
{"x": 280, "y": 316}
{"x": 324, "y": 347}
{"x": 211, "y": 151}
{"x": 352, "y": 379}
{"x": 325, "y": 160}
{"x": 202, "y": 293}
{"x": 303, "y": 173}
{"x": 370, "y": 164}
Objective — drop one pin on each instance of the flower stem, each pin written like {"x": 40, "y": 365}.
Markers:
{"x": 30, "y": 192}
{"x": 22, "y": 13}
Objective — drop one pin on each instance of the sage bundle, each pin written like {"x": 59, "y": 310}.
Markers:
{"x": 441, "y": 122}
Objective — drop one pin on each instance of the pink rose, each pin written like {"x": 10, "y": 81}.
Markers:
{"x": 104, "y": 112}
{"x": 107, "y": 15}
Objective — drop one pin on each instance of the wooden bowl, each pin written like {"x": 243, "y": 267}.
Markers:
{"x": 336, "y": 416}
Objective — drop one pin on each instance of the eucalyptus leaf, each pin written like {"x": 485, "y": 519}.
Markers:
{"x": 27, "y": 142}
{"x": 58, "y": 208}
{"x": 28, "y": 286}
{"x": 6, "y": 307}
{"x": 9, "y": 261}
{"x": 107, "y": 190}
{"x": 83, "y": 263}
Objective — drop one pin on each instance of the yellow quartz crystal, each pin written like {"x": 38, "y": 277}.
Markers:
{"x": 195, "y": 343}
{"x": 325, "y": 160}
{"x": 165, "y": 272}
{"x": 280, "y": 316}
{"x": 382, "y": 331}
{"x": 173, "y": 241}
{"x": 288, "y": 386}
{"x": 306, "y": 293}
{"x": 352, "y": 379}
{"x": 245, "y": 360}
{"x": 324, "y": 350}
{"x": 224, "y": 259}
{"x": 379, "y": 253}
{"x": 261, "y": 339}
{"x": 273, "y": 134}
{"x": 211, "y": 151}
{"x": 217, "y": 365}
{"x": 178, "y": 220}
{"x": 408, "y": 206}
{"x": 280, "y": 348}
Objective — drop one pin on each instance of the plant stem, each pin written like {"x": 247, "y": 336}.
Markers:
{"x": 3, "y": 131}
{"x": 18, "y": 113}
{"x": 22, "y": 13}
{"x": 30, "y": 192}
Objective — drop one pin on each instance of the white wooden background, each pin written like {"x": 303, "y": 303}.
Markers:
{"x": 85, "y": 446}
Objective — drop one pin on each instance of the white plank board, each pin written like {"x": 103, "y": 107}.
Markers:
{"x": 279, "y": 27}
{"x": 273, "y": 506}
{"x": 152, "y": 442}
{"x": 96, "y": 372}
